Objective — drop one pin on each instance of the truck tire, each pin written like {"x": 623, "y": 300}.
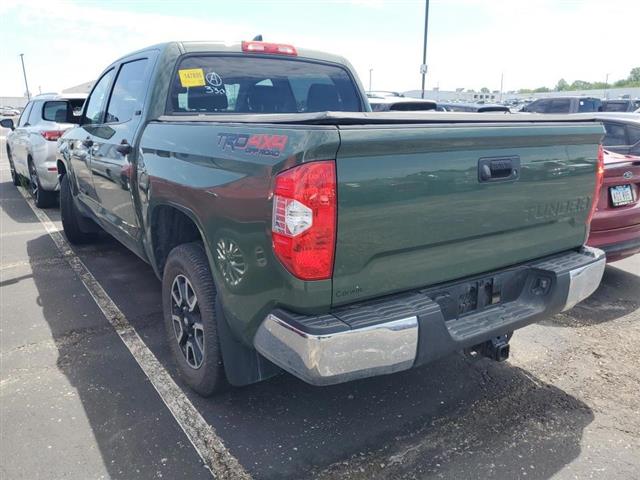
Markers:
{"x": 42, "y": 198}
{"x": 71, "y": 216}
{"x": 188, "y": 301}
{"x": 15, "y": 177}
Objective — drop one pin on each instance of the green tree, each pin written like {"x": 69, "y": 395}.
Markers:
{"x": 541, "y": 90}
{"x": 562, "y": 85}
{"x": 634, "y": 76}
{"x": 580, "y": 85}
{"x": 484, "y": 90}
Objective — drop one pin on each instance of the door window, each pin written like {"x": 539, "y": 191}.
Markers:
{"x": 97, "y": 101}
{"x": 614, "y": 134}
{"x": 634, "y": 134}
{"x": 34, "y": 116}
{"x": 539, "y": 106}
{"x": 128, "y": 92}
{"x": 560, "y": 105}
{"x": 587, "y": 105}
{"x": 25, "y": 115}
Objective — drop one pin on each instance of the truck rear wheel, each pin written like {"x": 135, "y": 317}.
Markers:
{"x": 188, "y": 301}
{"x": 71, "y": 216}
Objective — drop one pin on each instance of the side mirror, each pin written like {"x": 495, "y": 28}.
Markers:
{"x": 7, "y": 123}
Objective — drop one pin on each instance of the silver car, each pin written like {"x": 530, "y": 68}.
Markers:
{"x": 32, "y": 143}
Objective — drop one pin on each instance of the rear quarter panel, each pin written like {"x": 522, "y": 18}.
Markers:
{"x": 226, "y": 190}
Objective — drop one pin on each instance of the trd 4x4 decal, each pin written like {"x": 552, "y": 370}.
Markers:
{"x": 256, "y": 144}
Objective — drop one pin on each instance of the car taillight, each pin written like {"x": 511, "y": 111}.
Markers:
{"x": 52, "y": 135}
{"x": 265, "y": 47}
{"x": 598, "y": 186}
{"x": 304, "y": 219}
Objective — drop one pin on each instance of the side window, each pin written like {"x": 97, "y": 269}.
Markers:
{"x": 56, "y": 111}
{"x": 539, "y": 106}
{"x": 25, "y": 115}
{"x": 561, "y": 105}
{"x": 587, "y": 105}
{"x": 634, "y": 134}
{"x": 128, "y": 92}
{"x": 96, "y": 102}
{"x": 36, "y": 111}
{"x": 614, "y": 134}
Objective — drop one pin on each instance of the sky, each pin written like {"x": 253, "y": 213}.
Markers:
{"x": 471, "y": 43}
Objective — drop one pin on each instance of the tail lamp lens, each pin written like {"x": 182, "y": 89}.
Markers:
{"x": 304, "y": 219}
{"x": 598, "y": 186}
{"x": 52, "y": 135}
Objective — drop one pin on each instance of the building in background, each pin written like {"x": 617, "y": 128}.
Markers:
{"x": 82, "y": 88}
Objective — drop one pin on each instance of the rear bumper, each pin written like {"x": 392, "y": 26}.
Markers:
{"x": 414, "y": 328}
{"x": 617, "y": 243}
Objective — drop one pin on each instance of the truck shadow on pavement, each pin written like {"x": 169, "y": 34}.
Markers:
{"x": 616, "y": 297}
{"x": 456, "y": 418}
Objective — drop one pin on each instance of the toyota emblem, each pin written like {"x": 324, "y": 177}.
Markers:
{"x": 627, "y": 175}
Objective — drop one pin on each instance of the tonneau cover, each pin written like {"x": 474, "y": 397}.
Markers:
{"x": 382, "y": 118}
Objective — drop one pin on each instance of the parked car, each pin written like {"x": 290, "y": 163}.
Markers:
{"x": 472, "y": 107}
{"x": 295, "y": 230}
{"x": 564, "y": 105}
{"x": 622, "y": 132}
{"x": 403, "y": 104}
{"x": 620, "y": 105}
{"x": 616, "y": 223}
{"x": 9, "y": 112}
{"x": 31, "y": 144}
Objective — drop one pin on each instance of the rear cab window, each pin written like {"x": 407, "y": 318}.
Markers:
{"x": 214, "y": 83}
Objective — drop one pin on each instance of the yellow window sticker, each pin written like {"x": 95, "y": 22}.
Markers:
{"x": 192, "y": 77}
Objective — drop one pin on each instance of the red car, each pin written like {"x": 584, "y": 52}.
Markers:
{"x": 615, "y": 227}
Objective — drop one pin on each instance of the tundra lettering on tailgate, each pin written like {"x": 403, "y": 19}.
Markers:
{"x": 546, "y": 211}
{"x": 256, "y": 144}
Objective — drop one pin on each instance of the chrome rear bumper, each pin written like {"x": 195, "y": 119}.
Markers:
{"x": 398, "y": 332}
{"x": 583, "y": 281}
{"x": 326, "y": 359}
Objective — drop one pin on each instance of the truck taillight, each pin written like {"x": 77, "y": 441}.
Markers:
{"x": 265, "y": 47}
{"x": 599, "y": 182}
{"x": 52, "y": 135}
{"x": 304, "y": 219}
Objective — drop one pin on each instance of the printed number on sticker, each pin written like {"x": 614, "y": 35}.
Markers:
{"x": 192, "y": 77}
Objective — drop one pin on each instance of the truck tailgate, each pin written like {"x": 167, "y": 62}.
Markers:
{"x": 423, "y": 204}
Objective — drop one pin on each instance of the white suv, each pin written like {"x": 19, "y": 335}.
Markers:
{"x": 31, "y": 145}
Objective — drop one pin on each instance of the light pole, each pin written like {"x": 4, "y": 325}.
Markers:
{"x": 501, "y": 84}
{"x": 25, "y": 77}
{"x": 606, "y": 85}
{"x": 423, "y": 67}
{"x": 370, "y": 72}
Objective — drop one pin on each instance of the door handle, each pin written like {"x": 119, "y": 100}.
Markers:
{"x": 124, "y": 148}
{"x": 498, "y": 169}
{"x": 87, "y": 142}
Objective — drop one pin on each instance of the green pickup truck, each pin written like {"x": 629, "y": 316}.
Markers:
{"x": 294, "y": 229}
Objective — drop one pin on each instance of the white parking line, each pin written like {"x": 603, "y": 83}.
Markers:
{"x": 209, "y": 446}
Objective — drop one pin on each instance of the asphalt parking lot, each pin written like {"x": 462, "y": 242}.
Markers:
{"x": 75, "y": 403}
